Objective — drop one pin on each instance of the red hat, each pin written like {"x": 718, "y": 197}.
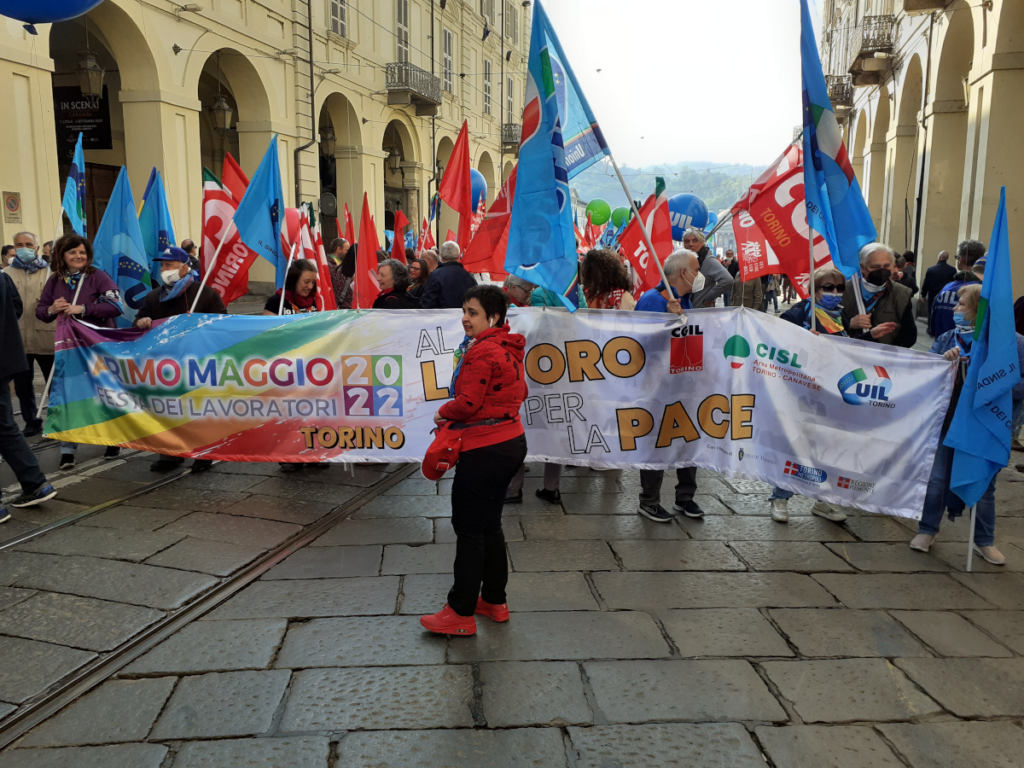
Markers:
{"x": 443, "y": 453}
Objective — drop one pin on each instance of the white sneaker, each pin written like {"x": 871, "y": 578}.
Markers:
{"x": 922, "y": 542}
{"x": 780, "y": 512}
{"x": 828, "y": 511}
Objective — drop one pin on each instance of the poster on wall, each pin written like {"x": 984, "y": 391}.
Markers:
{"x": 74, "y": 114}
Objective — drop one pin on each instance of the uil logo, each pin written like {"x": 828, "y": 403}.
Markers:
{"x": 736, "y": 351}
{"x": 867, "y": 387}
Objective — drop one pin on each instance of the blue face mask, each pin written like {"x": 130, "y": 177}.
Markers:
{"x": 830, "y": 301}
{"x": 959, "y": 319}
{"x": 25, "y": 255}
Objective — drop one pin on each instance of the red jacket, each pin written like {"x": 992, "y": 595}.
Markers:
{"x": 491, "y": 385}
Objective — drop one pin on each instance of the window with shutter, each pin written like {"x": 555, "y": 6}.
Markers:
{"x": 338, "y": 17}
{"x": 487, "y": 10}
{"x": 487, "y": 87}
{"x": 515, "y": 25}
{"x": 402, "y": 29}
{"x": 446, "y": 59}
{"x": 509, "y": 100}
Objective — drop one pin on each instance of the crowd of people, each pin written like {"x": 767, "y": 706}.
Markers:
{"x": 489, "y": 386}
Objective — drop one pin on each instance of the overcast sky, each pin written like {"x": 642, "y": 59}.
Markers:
{"x": 714, "y": 80}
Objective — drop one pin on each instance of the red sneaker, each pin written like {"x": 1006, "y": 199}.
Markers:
{"x": 448, "y": 622}
{"x": 492, "y": 611}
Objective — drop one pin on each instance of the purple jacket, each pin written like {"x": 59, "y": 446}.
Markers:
{"x": 99, "y": 296}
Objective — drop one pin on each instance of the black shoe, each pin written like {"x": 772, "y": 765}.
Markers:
{"x": 286, "y": 468}
{"x": 67, "y": 461}
{"x": 32, "y": 429}
{"x": 552, "y": 497}
{"x": 112, "y": 452}
{"x": 4, "y": 515}
{"x": 38, "y": 496}
{"x": 201, "y": 465}
{"x": 166, "y": 464}
{"x": 514, "y": 498}
{"x": 654, "y": 511}
{"x": 689, "y": 508}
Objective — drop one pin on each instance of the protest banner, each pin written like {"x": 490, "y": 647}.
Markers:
{"x": 731, "y": 390}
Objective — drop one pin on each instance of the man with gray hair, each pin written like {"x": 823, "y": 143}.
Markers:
{"x": 518, "y": 290}
{"x": 447, "y": 284}
{"x": 430, "y": 256}
{"x": 718, "y": 281}
{"x": 682, "y": 269}
{"x": 875, "y": 308}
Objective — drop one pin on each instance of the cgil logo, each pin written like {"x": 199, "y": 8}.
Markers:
{"x": 871, "y": 386}
{"x": 686, "y": 351}
{"x": 736, "y": 351}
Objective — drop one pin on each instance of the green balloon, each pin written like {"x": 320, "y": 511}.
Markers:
{"x": 620, "y": 215}
{"x": 599, "y": 212}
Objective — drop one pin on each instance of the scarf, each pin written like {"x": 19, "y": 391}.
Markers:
{"x": 32, "y": 267}
{"x": 173, "y": 291}
{"x": 829, "y": 320}
{"x": 870, "y": 299}
{"x": 299, "y": 302}
{"x": 460, "y": 355}
{"x": 610, "y": 300}
{"x": 72, "y": 280}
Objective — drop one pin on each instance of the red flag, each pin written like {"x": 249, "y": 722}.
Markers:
{"x": 366, "y": 288}
{"x": 229, "y": 277}
{"x": 326, "y": 286}
{"x": 594, "y": 232}
{"x": 582, "y": 244}
{"x": 451, "y": 236}
{"x": 655, "y": 216}
{"x": 350, "y": 228}
{"x": 456, "y": 186}
{"x": 486, "y": 252}
{"x": 428, "y": 236}
{"x": 770, "y": 224}
{"x": 398, "y": 246}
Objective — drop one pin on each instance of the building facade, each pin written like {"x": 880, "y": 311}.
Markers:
{"x": 931, "y": 94}
{"x": 378, "y": 112}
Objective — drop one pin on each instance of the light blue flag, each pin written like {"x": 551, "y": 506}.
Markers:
{"x": 981, "y": 429}
{"x": 118, "y": 250}
{"x": 259, "y": 215}
{"x": 155, "y": 220}
{"x": 74, "y": 191}
{"x": 542, "y": 240}
{"x": 835, "y": 205}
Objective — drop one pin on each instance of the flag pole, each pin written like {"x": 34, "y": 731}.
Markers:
{"x": 639, "y": 220}
{"x": 49, "y": 379}
{"x": 291, "y": 255}
{"x": 810, "y": 250}
{"x": 209, "y": 267}
{"x": 970, "y": 538}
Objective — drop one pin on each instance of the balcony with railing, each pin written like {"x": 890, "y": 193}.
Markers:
{"x": 511, "y": 134}
{"x": 408, "y": 84}
{"x": 840, "y": 90}
{"x": 871, "y": 47}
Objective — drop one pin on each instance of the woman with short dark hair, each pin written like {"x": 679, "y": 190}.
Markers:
{"x": 488, "y": 387}
{"x": 393, "y": 277}
{"x": 299, "y": 291}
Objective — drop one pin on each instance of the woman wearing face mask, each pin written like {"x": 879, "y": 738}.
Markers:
{"x": 875, "y": 308}
{"x": 77, "y": 289}
{"x": 829, "y": 285}
{"x": 955, "y": 345}
{"x": 299, "y": 291}
{"x": 29, "y": 273}
{"x": 489, "y": 386}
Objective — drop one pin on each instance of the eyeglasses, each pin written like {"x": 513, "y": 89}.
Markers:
{"x": 833, "y": 288}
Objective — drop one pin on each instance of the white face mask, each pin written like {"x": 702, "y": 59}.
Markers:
{"x": 699, "y": 282}
{"x": 170, "y": 277}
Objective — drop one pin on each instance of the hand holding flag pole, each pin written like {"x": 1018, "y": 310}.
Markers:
{"x": 291, "y": 256}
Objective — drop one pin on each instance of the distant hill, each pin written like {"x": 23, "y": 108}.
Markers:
{"x": 719, "y": 185}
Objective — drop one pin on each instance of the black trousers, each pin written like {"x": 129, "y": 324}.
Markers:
{"x": 24, "y": 389}
{"x": 478, "y": 497}
{"x": 14, "y": 447}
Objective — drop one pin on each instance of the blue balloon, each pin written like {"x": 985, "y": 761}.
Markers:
{"x": 712, "y": 220}
{"x": 46, "y": 11}
{"x": 686, "y": 211}
{"x": 479, "y": 186}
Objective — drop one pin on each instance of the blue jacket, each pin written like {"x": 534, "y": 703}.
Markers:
{"x": 446, "y": 286}
{"x": 942, "y": 307}
{"x": 947, "y": 341}
{"x": 542, "y": 297}
{"x": 653, "y": 301}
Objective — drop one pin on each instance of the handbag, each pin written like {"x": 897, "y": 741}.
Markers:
{"x": 443, "y": 452}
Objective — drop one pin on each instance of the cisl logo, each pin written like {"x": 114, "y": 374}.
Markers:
{"x": 736, "y": 351}
{"x": 780, "y": 356}
{"x": 871, "y": 386}
{"x": 687, "y": 349}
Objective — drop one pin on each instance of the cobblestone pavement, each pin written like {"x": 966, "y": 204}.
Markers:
{"x": 727, "y": 642}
